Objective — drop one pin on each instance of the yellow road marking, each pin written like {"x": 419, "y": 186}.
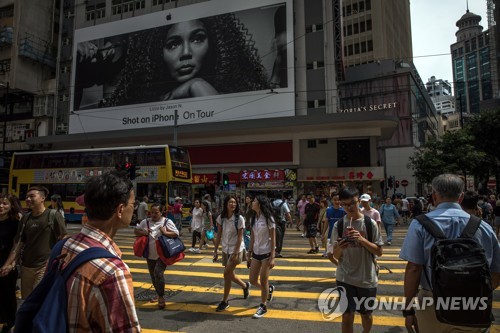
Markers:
{"x": 276, "y": 268}
{"x": 272, "y": 278}
{"x": 255, "y": 292}
{"x": 273, "y": 313}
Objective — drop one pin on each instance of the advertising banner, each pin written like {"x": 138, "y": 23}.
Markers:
{"x": 220, "y": 60}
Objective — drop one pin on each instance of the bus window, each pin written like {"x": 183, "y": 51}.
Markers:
{"x": 154, "y": 191}
{"x": 56, "y": 161}
{"x": 155, "y": 157}
{"x": 22, "y": 162}
{"x": 14, "y": 185}
{"x": 23, "y": 190}
{"x": 178, "y": 189}
{"x": 36, "y": 161}
{"x": 107, "y": 159}
{"x": 73, "y": 160}
{"x": 92, "y": 159}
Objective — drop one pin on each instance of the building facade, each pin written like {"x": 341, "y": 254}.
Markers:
{"x": 292, "y": 124}
{"x": 375, "y": 31}
{"x": 28, "y": 60}
{"x": 474, "y": 74}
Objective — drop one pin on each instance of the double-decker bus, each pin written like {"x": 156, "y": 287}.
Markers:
{"x": 161, "y": 173}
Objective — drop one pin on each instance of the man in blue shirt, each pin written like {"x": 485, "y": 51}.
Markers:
{"x": 447, "y": 193}
{"x": 333, "y": 214}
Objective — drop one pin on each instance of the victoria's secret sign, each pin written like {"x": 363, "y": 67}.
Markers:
{"x": 371, "y": 107}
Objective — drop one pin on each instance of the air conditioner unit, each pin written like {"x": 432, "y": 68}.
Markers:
{"x": 43, "y": 106}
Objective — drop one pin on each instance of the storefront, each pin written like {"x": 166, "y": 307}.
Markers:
{"x": 324, "y": 181}
{"x": 268, "y": 182}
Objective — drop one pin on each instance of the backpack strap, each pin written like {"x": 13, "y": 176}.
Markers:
{"x": 340, "y": 226}
{"x": 471, "y": 227}
{"x": 89, "y": 254}
{"x": 369, "y": 228}
{"x": 430, "y": 226}
{"x": 236, "y": 220}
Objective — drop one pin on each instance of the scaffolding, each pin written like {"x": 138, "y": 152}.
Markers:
{"x": 38, "y": 50}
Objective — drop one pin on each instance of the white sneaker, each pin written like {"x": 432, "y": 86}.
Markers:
{"x": 196, "y": 251}
{"x": 302, "y": 235}
{"x": 204, "y": 247}
{"x": 192, "y": 249}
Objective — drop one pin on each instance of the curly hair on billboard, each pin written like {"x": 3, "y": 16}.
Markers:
{"x": 202, "y": 57}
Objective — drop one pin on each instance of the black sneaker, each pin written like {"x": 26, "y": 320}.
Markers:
{"x": 261, "y": 311}
{"x": 270, "y": 296}
{"x": 222, "y": 306}
{"x": 316, "y": 249}
{"x": 246, "y": 290}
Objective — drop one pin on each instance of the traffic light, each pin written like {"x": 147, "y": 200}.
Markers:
{"x": 218, "y": 180}
{"x": 130, "y": 168}
{"x": 397, "y": 183}
{"x": 225, "y": 179}
{"x": 389, "y": 182}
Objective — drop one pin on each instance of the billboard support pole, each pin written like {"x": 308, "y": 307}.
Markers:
{"x": 175, "y": 128}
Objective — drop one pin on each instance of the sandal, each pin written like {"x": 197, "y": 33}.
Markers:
{"x": 161, "y": 303}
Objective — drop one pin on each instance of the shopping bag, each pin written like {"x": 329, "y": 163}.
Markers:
{"x": 141, "y": 248}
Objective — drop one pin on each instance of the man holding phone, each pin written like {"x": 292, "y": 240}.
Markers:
{"x": 356, "y": 271}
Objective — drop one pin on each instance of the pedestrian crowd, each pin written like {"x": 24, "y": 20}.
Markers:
{"x": 346, "y": 227}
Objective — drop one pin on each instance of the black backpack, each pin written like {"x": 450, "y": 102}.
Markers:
{"x": 459, "y": 271}
{"x": 276, "y": 210}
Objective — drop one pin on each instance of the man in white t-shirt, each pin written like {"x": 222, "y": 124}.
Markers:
{"x": 152, "y": 227}
{"x": 142, "y": 210}
{"x": 368, "y": 210}
{"x": 405, "y": 209}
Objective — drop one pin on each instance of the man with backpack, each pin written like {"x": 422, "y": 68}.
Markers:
{"x": 450, "y": 254}
{"x": 99, "y": 294}
{"x": 356, "y": 241}
{"x": 37, "y": 233}
{"x": 281, "y": 214}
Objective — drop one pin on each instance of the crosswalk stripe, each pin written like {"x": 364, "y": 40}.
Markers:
{"x": 254, "y": 292}
{"x": 209, "y": 264}
{"x": 272, "y": 278}
{"x": 273, "y": 313}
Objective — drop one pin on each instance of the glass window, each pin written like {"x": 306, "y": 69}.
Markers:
{"x": 370, "y": 45}
{"x": 36, "y": 161}
{"x": 368, "y": 25}
{"x": 368, "y": 4}
{"x": 363, "y": 47}
{"x": 349, "y": 30}
{"x": 91, "y": 159}
{"x": 356, "y": 48}
{"x": 107, "y": 159}
{"x": 361, "y": 7}
{"x": 350, "y": 50}
{"x": 362, "y": 27}
{"x": 356, "y": 28}
{"x": 56, "y": 161}
{"x": 156, "y": 157}
{"x": 73, "y": 160}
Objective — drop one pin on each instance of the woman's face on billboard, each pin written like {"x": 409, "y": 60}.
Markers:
{"x": 185, "y": 49}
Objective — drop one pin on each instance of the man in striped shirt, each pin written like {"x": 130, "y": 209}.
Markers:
{"x": 100, "y": 292}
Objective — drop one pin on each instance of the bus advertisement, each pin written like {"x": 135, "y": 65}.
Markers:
{"x": 161, "y": 173}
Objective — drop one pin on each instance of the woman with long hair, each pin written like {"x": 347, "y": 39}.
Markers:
{"x": 230, "y": 231}
{"x": 262, "y": 251}
{"x": 10, "y": 215}
{"x": 57, "y": 204}
{"x": 208, "y": 224}
{"x": 202, "y": 57}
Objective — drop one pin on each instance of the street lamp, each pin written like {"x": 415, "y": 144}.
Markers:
{"x": 4, "y": 135}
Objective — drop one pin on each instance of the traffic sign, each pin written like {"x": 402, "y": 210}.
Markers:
{"x": 404, "y": 183}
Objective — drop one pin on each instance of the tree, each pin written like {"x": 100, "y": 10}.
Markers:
{"x": 485, "y": 129}
{"x": 454, "y": 152}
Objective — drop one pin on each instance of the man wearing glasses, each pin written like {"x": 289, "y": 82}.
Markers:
{"x": 356, "y": 272}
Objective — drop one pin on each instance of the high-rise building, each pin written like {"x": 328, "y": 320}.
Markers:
{"x": 376, "y": 30}
{"x": 474, "y": 76}
{"x": 28, "y": 43}
{"x": 440, "y": 93}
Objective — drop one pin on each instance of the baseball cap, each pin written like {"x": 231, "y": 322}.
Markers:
{"x": 365, "y": 197}
{"x": 178, "y": 198}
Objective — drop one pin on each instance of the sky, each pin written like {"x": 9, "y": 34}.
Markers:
{"x": 433, "y": 27}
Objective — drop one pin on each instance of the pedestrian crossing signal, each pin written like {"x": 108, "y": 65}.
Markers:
{"x": 225, "y": 179}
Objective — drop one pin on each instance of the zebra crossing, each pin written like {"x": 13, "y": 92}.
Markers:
{"x": 195, "y": 286}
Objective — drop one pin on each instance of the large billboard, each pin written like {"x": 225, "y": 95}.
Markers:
{"x": 219, "y": 60}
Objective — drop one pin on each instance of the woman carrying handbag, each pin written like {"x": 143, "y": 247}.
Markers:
{"x": 153, "y": 227}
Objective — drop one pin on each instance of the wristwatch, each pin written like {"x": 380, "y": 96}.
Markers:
{"x": 410, "y": 312}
